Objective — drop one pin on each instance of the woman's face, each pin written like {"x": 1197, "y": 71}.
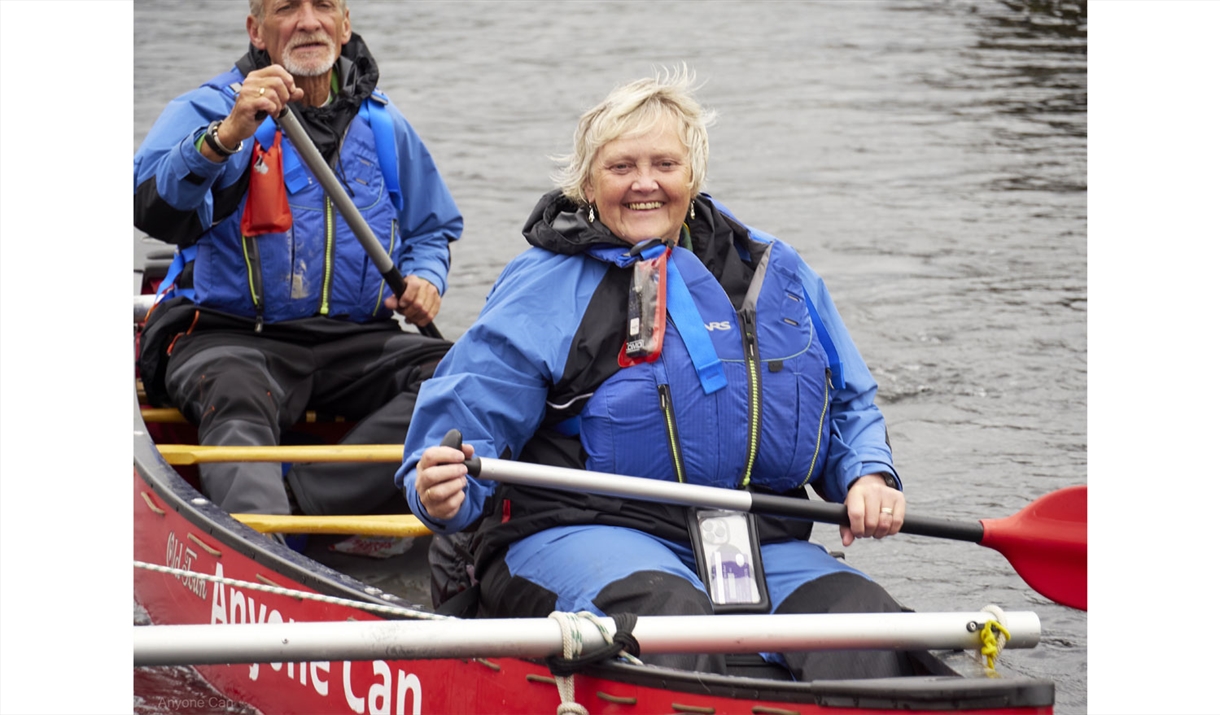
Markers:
{"x": 639, "y": 184}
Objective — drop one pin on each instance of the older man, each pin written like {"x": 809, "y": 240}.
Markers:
{"x": 273, "y": 307}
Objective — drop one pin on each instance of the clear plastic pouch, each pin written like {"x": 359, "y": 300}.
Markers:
{"x": 729, "y": 561}
{"x": 646, "y": 308}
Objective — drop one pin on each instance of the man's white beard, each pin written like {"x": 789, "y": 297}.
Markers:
{"x": 310, "y": 68}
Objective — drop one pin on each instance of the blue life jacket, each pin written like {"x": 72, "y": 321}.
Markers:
{"x": 758, "y": 384}
{"x": 317, "y": 267}
{"x": 754, "y": 413}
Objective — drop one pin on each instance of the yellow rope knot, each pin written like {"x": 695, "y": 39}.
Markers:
{"x": 992, "y": 645}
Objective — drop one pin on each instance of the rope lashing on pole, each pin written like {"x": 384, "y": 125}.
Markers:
{"x": 993, "y": 635}
{"x": 621, "y": 643}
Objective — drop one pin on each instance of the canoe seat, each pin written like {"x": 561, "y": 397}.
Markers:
{"x": 170, "y": 415}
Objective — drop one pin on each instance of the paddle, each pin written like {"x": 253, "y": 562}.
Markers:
{"x": 200, "y": 644}
{"x": 1046, "y": 542}
{"x": 322, "y": 171}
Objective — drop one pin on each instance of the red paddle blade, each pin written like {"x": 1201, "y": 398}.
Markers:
{"x": 1047, "y": 543}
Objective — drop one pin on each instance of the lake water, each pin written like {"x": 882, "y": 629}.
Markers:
{"x": 927, "y": 158}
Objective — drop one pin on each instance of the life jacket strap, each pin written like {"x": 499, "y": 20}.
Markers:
{"x": 167, "y": 289}
{"x": 832, "y": 355}
{"x": 375, "y": 113}
{"x": 295, "y": 175}
{"x": 689, "y": 323}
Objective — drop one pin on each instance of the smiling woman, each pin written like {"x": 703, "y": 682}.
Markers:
{"x": 582, "y": 395}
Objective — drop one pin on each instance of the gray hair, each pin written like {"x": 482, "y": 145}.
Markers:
{"x": 256, "y": 7}
{"x": 633, "y": 109}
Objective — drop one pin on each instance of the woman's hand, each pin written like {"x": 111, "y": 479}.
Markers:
{"x": 873, "y": 509}
{"x": 440, "y": 480}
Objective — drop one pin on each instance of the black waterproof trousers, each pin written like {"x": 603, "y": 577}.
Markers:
{"x": 245, "y": 388}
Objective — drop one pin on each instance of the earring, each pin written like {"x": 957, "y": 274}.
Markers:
{"x": 692, "y": 210}
{"x": 592, "y": 216}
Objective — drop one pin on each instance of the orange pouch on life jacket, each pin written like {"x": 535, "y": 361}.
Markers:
{"x": 267, "y": 208}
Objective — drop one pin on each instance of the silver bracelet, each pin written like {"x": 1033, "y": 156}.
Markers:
{"x": 212, "y": 137}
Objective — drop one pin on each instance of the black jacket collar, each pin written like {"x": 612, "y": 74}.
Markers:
{"x": 559, "y": 225}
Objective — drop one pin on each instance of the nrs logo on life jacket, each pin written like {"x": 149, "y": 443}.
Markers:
{"x": 717, "y": 325}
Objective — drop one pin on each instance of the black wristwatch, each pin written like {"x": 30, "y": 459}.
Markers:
{"x": 212, "y": 138}
{"x": 889, "y": 479}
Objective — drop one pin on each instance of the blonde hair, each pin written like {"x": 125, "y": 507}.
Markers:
{"x": 633, "y": 109}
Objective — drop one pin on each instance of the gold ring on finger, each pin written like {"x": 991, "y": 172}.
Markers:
{"x": 886, "y": 510}
{"x": 262, "y": 91}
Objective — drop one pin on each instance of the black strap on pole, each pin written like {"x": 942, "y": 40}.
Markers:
{"x": 622, "y": 641}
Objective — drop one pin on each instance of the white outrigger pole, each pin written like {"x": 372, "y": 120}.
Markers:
{"x": 541, "y": 637}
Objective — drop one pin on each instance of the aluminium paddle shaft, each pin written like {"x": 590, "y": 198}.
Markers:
{"x": 538, "y": 475}
{"x": 1046, "y": 542}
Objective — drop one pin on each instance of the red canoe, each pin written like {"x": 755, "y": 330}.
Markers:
{"x": 215, "y": 569}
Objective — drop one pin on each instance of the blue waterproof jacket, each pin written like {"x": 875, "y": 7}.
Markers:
{"x": 784, "y": 400}
{"x": 317, "y": 267}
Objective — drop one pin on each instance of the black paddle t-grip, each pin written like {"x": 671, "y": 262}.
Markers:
{"x": 453, "y": 438}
